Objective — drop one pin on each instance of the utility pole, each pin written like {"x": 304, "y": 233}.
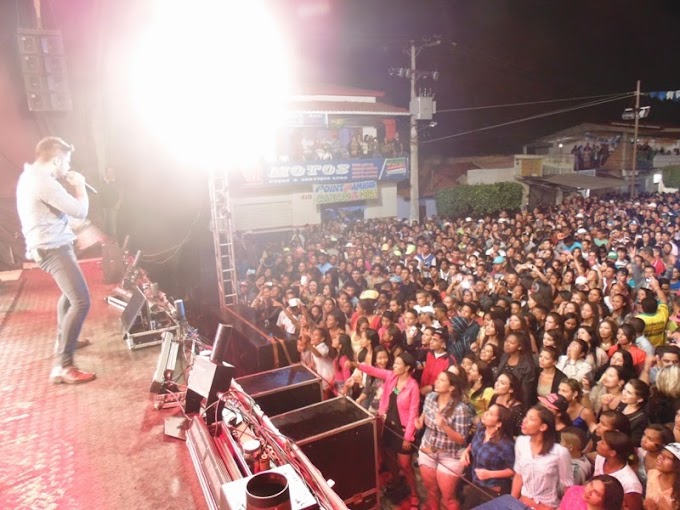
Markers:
{"x": 415, "y": 191}
{"x": 421, "y": 108}
{"x": 635, "y": 140}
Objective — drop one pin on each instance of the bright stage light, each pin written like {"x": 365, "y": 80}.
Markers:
{"x": 211, "y": 78}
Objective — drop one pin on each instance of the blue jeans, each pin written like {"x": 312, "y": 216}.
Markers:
{"x": 74, "y": 303}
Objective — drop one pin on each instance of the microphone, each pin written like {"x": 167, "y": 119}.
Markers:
{"x": 90, "y": 189}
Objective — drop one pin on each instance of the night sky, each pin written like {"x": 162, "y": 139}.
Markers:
{"x": 503, "y": 51}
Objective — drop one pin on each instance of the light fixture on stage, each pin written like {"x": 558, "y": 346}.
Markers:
{"x": 221, "y": 89}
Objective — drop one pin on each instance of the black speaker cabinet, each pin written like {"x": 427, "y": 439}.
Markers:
{"x": 255, "y": 353}
{"x": 44, "y": 70}
{"x": 340, "y": 439}
{"x": 283, "y": 389}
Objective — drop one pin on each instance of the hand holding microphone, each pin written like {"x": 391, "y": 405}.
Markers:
{"x": 78, "y": 180}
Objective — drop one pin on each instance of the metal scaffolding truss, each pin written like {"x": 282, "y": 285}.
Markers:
{"x": 220, "y": 208}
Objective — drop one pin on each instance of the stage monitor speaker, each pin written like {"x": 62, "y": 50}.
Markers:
{"x": 206, "y": 380}
{"x": 136, "y": 307}
{"x": 113, "y": 264}
{"x": 44, "y": 70}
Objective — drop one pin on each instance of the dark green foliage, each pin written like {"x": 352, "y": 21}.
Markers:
{"x": 671, "y": 176}
{"x": 479, "y": 199}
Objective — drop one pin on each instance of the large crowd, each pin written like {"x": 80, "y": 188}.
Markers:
{"x": 531, "y": 354}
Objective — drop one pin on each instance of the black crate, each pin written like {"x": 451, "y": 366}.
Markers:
{"x": 283, "y": 389}
{"x": 340, "y": 439}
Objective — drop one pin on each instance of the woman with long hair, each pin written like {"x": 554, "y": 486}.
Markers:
{"x": 491, "y": 355}
{"x": 336, "y": 324}
{"x": 518, "y": 324}
{"x": 548, "y": 375}
{"x": 342, "y": 363}
{"x": 625, "y": 339}
{"x": 507, "y": 392}
{"x": 361, "y": 326}
{"x": 517, "y": 360}
{"x": 614, "y": 452}
{"x": 542, "y": 466}
{"x": 620, "y": 358}
{"x": 554, "y": 338}
{"x": 493, "y": 333}
{"x": 603, "y": 492}
{"x": 571, "y": 324}
{"x": 447, "y": 421}
{"x": 589, "y": 315}
{"x": 491, "y": 456}
{"x": 607, "y": 330}
{"x": 663, "y": 482}
{"x": 480, "y": 381}
{"x": 580, "y": 415}
{"x": 606, "y": 395}
{"x": 633, "y": 405}
{"x": 595, "y": 357}
{"x": 399, "y": 407}
{"x": 621, "y": 308}
{"x": 372, "y": 391}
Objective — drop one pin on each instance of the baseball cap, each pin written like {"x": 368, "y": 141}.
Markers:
{"x": 674, "y": 448}
{"x": 555, "y": 402}
{"x": 369, "y": 294}
{"x": 581, "y": 231}
{"x": 499, "y": 260}
{"x": 581, "y": 280}
{"x": 293, "y": 302}
{"x": 427, "y": 309}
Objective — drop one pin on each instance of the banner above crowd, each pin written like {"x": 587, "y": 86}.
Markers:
{"x": 379, "y": 169}
{"x": 345, "y": 192}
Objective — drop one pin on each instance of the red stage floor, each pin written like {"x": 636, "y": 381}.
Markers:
{"x": 96, "y": 446}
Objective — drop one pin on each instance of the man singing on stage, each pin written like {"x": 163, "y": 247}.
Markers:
{"x": 44, "y": 208}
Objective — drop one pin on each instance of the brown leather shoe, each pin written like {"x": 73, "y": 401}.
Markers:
{"x": 83, "y": 343}
{"x": 71, "y": 375}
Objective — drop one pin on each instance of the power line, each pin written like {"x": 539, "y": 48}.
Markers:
{"x": 508, "y": 105}
{"x": 532, "y": 117}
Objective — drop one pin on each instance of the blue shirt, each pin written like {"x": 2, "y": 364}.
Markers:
{"x": 494, "y": 456}
{"x": 44, "y": 207}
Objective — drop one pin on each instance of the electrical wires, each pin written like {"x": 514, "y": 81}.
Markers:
{"x": 528, "y": 103}
{"x": 533, "y": 117}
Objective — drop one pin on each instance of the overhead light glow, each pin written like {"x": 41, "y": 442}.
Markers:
{"x": 211, "y": 78}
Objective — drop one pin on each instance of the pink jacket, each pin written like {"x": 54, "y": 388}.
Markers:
{"x": 408, "y": 400}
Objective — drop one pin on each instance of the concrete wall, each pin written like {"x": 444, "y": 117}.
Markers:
{"x": 490, "y": 175}
{"x": 385, "y": 206}
{"x": 295, "y": 207}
